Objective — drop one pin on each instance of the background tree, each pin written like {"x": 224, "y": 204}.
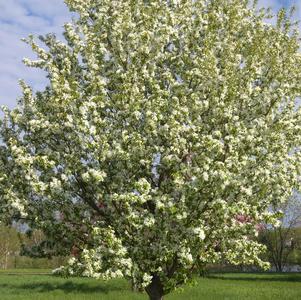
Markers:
{"x": 284, "y": 239}
{"x": 9, "y": 245}
{"x": 35, "y": 244}
{"x": 39, "y": 251}
{"x": 162, "y": 122}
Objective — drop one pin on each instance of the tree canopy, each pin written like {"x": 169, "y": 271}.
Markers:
{"x": 166, "y": 131}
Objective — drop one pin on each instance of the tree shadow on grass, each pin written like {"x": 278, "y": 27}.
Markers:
{"x": 266, "y": 277}
{"x": 66, "y": 287}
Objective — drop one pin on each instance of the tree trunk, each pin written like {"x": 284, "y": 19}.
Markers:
{"x": 6, "y": 260}
{"x": 278, "y": 266}
{"x": 280, "y": 269}
{"x": 155, "y": 289}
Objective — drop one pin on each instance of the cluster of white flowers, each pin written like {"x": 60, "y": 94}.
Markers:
{"x": 146, "y": 279}
{"x": 199, "y": 232}
{"x": 93, "y": 175}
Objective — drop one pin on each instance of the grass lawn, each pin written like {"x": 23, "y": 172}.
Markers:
{"x": 22, "y": 285}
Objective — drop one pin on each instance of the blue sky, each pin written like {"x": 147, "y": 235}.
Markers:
{"x": 19, "y": 18}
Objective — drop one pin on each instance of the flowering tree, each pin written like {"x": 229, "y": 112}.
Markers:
{"x": 163, "y": 122}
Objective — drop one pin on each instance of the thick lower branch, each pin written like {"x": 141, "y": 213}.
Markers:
{"x": 155, "y": 289}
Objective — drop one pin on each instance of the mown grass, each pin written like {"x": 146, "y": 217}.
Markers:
{"x": 26, "y": 271}
{"x": 233, "y": 286}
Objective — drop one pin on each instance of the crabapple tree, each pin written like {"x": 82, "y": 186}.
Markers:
{"x": 162, "y": 124}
